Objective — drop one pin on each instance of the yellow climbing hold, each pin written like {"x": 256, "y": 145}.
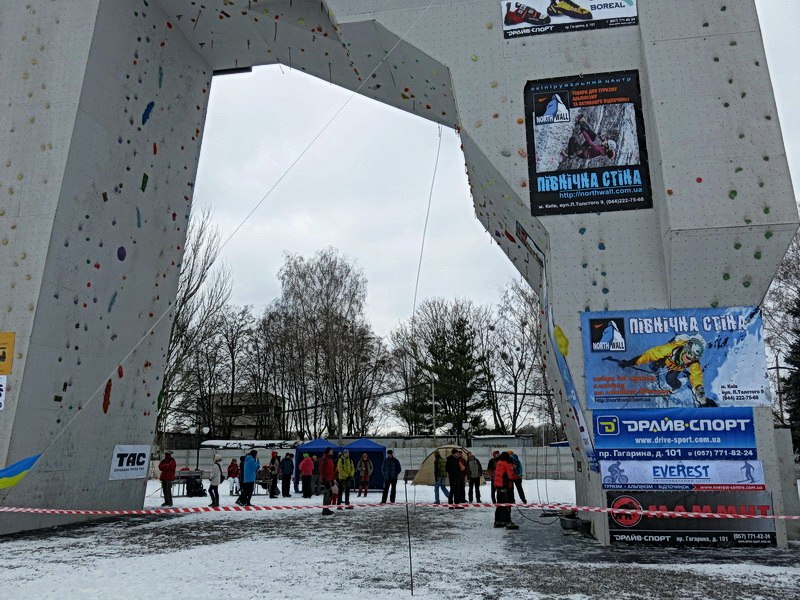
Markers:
{"x": 561, "y": 340}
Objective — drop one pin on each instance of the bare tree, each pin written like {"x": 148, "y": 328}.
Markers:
{"x": 202, "y": 291}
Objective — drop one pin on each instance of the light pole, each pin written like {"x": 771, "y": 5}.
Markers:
{"x": 433, "y": 408}
{"x": 465, "y": 426}
{"x": 193, "y": 430}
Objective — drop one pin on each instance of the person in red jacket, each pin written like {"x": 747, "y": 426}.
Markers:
{"x": 327, "y": 473}
{"x": 504, "y": 486}
{"x": 233, "y": 477}
{"x": 167, "y": 468}
{"x": 306, "y": 471}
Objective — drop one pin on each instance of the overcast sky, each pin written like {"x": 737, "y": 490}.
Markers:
{"x": 363, "y": 186}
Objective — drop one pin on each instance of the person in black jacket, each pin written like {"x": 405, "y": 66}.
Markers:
{"x": 455, "y": 473}
{"x": 391, "y": 471}
{"x": 287, "y": 468}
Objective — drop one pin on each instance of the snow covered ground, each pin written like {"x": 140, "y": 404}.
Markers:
{"x": 363, "y": 554}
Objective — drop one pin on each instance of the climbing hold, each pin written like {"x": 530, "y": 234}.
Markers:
{"x": 732, "y": 194}
{"x": 726, "y": 276}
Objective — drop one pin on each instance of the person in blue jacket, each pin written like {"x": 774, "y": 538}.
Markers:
{"x": 249, "y": 471}
{"x": 391, "y": 471}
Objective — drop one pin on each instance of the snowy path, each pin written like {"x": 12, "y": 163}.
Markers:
{"x": 363, "y": 554}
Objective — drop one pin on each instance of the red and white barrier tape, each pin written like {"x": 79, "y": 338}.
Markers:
{"x": 534, "y": 505}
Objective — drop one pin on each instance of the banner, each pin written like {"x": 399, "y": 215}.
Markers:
{"x": 3, "y": 385}
{"x": 537, "y": 17}
{"x": 586, "y": 144}
{"x": 675, "y": 358}
{"x": 571, "y": 391}
{"x": 6, "y": 352}
{"x": 681, "y": 531}
{"x": 677, "y": 433}
{"x": 129, "y": 462}
{"x": 705, "y": 475}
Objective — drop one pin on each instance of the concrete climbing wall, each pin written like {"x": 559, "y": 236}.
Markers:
{"x": 106, "y": 107}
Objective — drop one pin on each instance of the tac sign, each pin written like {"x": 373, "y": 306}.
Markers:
{"x": 129, "y": 462}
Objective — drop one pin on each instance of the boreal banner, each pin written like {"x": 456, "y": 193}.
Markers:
{"x": 675, "y": 434}
{"x": 537, "y": 17}
{"x": 683, "y": 531}
{"x": 586, "y": 144}
{"x": 685, "y": 475}
{"x": 702, "y": 357}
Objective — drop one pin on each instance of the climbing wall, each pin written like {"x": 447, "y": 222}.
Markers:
{"x": 106, "y": 108}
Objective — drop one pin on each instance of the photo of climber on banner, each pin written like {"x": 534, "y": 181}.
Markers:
{"x": 586, "y": 144}
{"x": 698, "y": 358}
{"x": 536, "y": 17}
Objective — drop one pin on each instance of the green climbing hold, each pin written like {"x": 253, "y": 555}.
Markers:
{"x": 746, "y": 283}
{"x": 726, "y": 276}
{"x": 714, "y": 304}
{"x": 766, "y": 210}
{"x": 757, "y": 255}
{"x": 732, "y": 194}
{"x": 474, "y": 58}
{"x": 737, "y": 246}
{"x": 768, "y": 234}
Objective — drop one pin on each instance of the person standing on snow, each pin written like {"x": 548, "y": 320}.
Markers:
{"x": 167, "y": 467}
{"x": 504, "y": 486}
{"x": 517, "y": 475}
{"x": 327, "y": 473}
{"x": 490, "y": 473}
{"x": 287, "y": 468}
{"x": 251, "y": 467}
{"x": 440, "y": 476}
{"x": 344, "y": 473}
{"x": 315, "y": 485}
{"x": 365, "y": 469}
{"x": 474, "y": 474}
{"x": 390, "y": 470}
{"x": 306, "y": 471}
{"x": 274, "y": 472}
{"x": 214, "y": 480}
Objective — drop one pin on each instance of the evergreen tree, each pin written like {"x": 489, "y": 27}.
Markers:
{"x": 790, "y": 385}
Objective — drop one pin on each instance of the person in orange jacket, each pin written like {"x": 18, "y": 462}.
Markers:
{"x": 504, "y": 489}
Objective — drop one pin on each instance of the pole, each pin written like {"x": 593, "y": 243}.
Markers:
{"x": 778, "y": 386}
{"x": 197, "y": 458}
{"x": 433, "y": 405}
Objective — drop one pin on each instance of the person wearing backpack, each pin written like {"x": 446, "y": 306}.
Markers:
{"x": 517, "y": 476}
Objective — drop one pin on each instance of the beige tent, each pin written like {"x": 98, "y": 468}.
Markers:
{"x": 424, "y": 475}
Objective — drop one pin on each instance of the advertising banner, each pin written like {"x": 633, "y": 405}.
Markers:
{"x": 3, "y": 384}
{"x": 677, "y": 434}
{"x": 586, "y": 144}
{"x": 683, "y": 531}
{"x": 572, "y": 392}
{"x": 537, "y": 17}
{"x": 6, "y": 352}
{"x": 129, "y": 462}
{"x": 688, "y": 475}
{"x": 675, "y": 358}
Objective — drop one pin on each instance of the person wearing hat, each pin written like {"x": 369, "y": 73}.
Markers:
{"x": 390, "y": 471}
{"x": 214, "y": 480}
{"x": 167, "y": 467}
{"x": 345, "y": 470}
{"x": 306, "y": 472}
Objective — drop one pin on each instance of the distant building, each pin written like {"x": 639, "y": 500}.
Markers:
{"x": 248, "y": 416}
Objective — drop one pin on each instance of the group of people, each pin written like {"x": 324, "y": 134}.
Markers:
{"x": 334, "y": 476}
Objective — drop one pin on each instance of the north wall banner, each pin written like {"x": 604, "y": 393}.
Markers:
{"x": 675, "y": 434}
{"x": 586, "y": 144}
{"x": 537, "y": 17}
{"x": 702, "y": 357}
{"x": 686, "y": 475}
{"x": 683, "y": 531}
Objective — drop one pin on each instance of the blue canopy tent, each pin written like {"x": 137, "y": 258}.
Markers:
{"x": 318, "y": 447}
{"x": 376, "y": 454}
